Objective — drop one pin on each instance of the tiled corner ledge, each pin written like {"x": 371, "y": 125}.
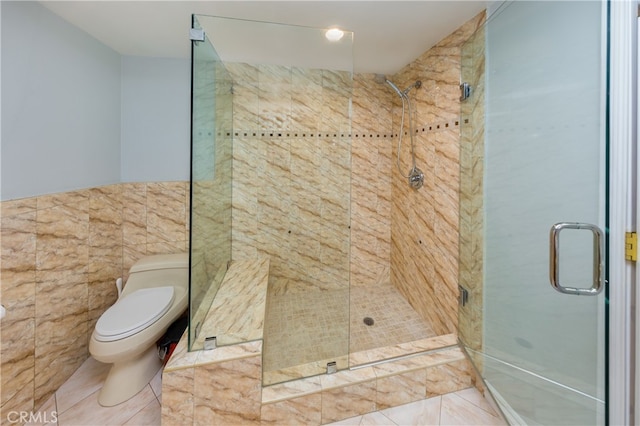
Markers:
{"x": 224, "y": 386}
{"x": 238, "y": 310}
{"x": 236, "y": 318}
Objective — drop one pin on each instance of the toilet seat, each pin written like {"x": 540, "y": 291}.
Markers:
{"x": 133, "y": 313}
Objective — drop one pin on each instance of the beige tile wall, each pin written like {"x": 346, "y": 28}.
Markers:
{"x": 424, "y": 223}
{"x": 371, "y": 164}
{"x": 61, "y": 254}
{"x": 291, "y": 154}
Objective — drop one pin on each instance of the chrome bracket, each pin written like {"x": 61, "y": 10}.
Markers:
{"x": 332, "y": 367}
{"x": 210, "y": 343}
{"x": 196, "y": 34}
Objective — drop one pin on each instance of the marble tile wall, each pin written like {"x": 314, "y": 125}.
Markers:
{"x": 424, "y": 223}
{"x": 237, "y": 313}
{"x": 397, "y": 234}
{"x": 61, "y": 254}
{"x": 291, "y": 165}
{"x": 371, "y": 165}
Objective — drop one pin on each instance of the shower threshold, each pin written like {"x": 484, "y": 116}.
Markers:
{"x": 362, "y": 359}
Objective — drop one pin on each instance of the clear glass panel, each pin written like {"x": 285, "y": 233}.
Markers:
{"x": 211, "y": 167}
{"x": 534, "y": 154}
{"x": 291, "y": 104}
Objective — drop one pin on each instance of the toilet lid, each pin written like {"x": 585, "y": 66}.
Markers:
{"x": 133, "y": 313}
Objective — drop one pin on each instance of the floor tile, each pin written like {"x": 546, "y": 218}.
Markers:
{"x": 156, "y": 385}
{"x": 424, "y": 412}
{"x": 476, "y": 398}
{"x": 456, "y": 410}
{"x": 151, "y": 415}
{"x": 376, "y": 419}
{"x": 304, "y": 327}
{"x": 90, "y": 412}
{"x": 86, "y": 380}
{"x": 46, "y": 415}
{"x": 351, "y": 421}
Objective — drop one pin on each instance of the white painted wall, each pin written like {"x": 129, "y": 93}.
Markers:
{"x": 60, "y": 105}
{"x": 155, "y": 119}
{"x": 76, "y": 114}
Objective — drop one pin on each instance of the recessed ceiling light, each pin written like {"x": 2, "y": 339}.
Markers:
{"x": 334, "y": 34}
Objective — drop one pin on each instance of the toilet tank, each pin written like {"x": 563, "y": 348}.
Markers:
{"x": 158, "y": 271}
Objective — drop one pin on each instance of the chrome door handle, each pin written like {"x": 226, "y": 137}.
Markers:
{"x": 598, "y": 259}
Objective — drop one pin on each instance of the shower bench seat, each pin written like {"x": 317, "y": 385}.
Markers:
{"x": 237, "y": 312}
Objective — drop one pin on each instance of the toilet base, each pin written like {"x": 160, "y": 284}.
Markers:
{"x": 127, "y": 378}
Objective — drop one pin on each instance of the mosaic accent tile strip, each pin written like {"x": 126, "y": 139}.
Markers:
{"x": 308, "y": 133}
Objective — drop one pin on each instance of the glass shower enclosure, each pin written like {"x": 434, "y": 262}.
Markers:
{"x": 533, "y": 209}
{"x": 271, "y": 178}
{"x": 211, "y": 173}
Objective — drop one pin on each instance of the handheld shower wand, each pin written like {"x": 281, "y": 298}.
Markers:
{"x": 415, "y": 176}
{"x": 394, "y": 87}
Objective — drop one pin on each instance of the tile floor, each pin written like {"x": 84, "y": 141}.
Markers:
{"x": 303, "y": 327}
{"x": 76, "y": 403}
{"x": 395, "y": 320}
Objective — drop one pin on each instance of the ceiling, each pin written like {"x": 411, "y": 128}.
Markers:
{"x": 387, "y": 34}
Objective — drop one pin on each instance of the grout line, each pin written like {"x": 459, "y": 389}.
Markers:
{"x": 55, "y": 406}
{"x": 392, "y": 422}
{"x": 473, "y": 403}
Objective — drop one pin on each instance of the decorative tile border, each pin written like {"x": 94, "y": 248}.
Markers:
{"x": 283, "y": 133}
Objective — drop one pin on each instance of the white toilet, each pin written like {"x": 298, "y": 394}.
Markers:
{"x": 155, "y": 295}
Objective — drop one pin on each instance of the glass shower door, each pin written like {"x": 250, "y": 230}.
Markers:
{"x": 533, "y": 202}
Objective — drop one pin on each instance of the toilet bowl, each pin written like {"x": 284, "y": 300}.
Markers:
{"x": 155, "y": 295}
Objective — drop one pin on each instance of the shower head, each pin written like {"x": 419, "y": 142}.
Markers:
{"x": 381, "y": 79}
{"x": 417, "y": 85}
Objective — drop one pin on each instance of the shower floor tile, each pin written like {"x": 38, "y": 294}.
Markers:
{"x": 394, "y": 320}
{"x": 302, "y": 327}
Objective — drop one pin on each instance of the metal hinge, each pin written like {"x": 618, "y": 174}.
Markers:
{"x": 631, "y": 246}
{"x": 463, "y": 296}
{"x": 465, "y": 91}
